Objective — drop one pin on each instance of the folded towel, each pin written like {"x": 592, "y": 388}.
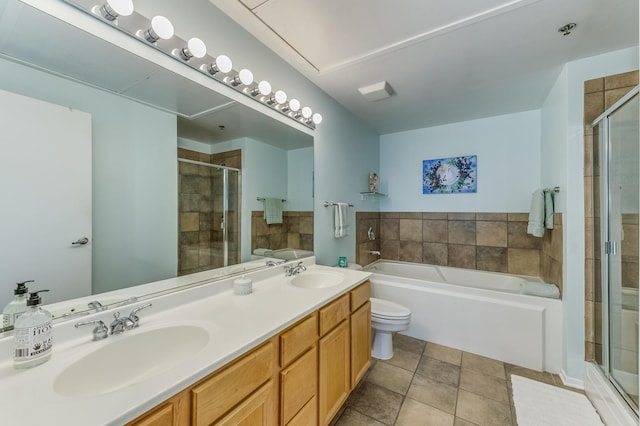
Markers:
{"x": 548, "y": 209}
{"x": 341, "y": 220}
{"x": 273, "y": 210}
{"x": 534, "y": 288}
{"x": 536, "y": 214}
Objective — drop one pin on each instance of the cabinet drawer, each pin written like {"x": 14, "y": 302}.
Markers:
{"x": 308, "y": 416}
{"x": 298, "y": 339}
{"x": 257, "y": 410}
{"x": 217, "y": 395}
{"x": 333, "y": 314}
{"x": 360, "y": 295}
{"x": 298, "y": 384}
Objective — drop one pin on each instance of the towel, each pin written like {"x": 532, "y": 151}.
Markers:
{"x": 548, "y": 209}
{"x": 341, "y": 220}
{"x": 534, "y": 288}
{"x": 273, "y": 210}
{"x": 536, "y": 214}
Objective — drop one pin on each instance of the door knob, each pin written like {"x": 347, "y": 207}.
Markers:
{"x": 80, "y": 241}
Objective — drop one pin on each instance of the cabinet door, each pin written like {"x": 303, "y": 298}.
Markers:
{"x": 298, "y": 385}
{"x": 334, "y": 378}
{"x": 360, "y": 342}
{"x": 173, "y": 412}
{"x": 256, "y": 410}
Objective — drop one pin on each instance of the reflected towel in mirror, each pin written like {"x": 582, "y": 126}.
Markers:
{"x": 273, "y": 210}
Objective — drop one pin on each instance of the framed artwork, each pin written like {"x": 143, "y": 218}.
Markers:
{"x": 450, "y": 175}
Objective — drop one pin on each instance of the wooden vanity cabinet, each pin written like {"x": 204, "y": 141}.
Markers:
{"x": 301, "y": 377}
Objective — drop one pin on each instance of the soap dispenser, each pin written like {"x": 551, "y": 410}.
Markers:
{"x": 17, "y": 306}
{"x": 32, "y": 334}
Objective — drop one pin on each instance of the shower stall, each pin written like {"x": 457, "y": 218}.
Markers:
{"x": 209, "y": 216}
{"x": 616, "y": 192}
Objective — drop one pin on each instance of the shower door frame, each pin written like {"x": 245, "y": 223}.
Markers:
{"x": 605, "y": 156}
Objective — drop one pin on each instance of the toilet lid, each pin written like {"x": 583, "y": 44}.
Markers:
{"x": 384, "y": 308}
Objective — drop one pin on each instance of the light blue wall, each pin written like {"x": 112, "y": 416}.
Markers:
{"x": 508, "y": 150}
{"x": 562, "y": 145}
{"x": 135, "y": 211}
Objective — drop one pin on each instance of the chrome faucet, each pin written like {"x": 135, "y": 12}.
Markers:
{"x": 101, "y": 331}
{"x": 376, "y": 252}
{"x": 291, "y": 269}
{"x": 122, "y": 324}
{"x": 273, "y": 263}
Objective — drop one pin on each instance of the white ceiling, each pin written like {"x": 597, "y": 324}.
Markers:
{"x": 446, "y": 61}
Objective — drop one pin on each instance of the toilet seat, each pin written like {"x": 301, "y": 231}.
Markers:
{"x": 385, "y": 309}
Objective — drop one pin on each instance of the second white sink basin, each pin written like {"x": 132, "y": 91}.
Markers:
{"x": 130, "y": 359}
{"x": 317, "y": 279}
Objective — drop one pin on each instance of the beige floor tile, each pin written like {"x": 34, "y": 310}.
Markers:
{"x": 414, "y": 413}
{"x": 435, "y": 394}
{"x": 404, "y": 359}
{"x": 463, "y": 422}
{"x": 483, "y": 365}
{"x": 351, "y": 417}
{"x": 489, "y": 386}
{"x": 530, "y": 374}
{"x": 377, "y": 402}
{"x": 482, "y": 411}
{"x": 409, "y": 344}
{"x": 390, "y": 377}
{"x": 443, "y": 353}
{"x": 439, "y": 371}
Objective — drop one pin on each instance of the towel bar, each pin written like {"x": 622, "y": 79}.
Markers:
{"x": 328, "y": 203}
{"x": 554, "y": 189}
{"x": 262, "y": 199}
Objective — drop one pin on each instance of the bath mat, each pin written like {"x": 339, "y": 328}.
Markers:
{"x": 540, "y": 404}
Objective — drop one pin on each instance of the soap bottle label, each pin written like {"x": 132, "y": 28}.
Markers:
{"x": 32, "y": 342}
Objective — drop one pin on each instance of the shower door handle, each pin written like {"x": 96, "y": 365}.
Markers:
{"x": 80, "y": 241}
{"x": 611, "y": 247}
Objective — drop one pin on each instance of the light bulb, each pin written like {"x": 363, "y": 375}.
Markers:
{"x": 306, "y": 112}
{"x": 264, "y": 87}
{"x": 195, "y": 48}
{"x": 161, "y": 28}
{"x": 244, "y": 77}
{"x": 294, "y": 105}
{"x": 114, "y": 8}
{"x": 222, "y": 64}
{"x": 317, "y": 118}
{"x": 281, "y": 97}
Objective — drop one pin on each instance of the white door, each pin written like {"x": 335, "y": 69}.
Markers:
{"x": 45, "y": 198}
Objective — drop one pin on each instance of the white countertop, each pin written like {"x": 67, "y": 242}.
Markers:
{"x": 235, "y": 324}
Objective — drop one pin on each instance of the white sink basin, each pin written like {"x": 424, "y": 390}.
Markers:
{"x": 317, "y": 279}
{"x": 130, "y": 359}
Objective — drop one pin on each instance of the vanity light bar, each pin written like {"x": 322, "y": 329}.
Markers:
{"x": 158, "y": 33}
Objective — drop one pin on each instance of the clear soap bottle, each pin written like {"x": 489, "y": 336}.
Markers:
{"x": 17, "y": 306}
{"x": 32, "y": 334}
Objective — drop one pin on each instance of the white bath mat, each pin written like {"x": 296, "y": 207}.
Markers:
{"x": 540, "y": 404}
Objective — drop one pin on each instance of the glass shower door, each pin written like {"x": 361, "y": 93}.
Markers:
{"x": 620, "y": 156}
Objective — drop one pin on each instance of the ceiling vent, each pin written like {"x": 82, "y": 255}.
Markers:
{"x": 376, "y": 91}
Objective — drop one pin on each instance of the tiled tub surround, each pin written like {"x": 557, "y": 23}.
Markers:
{"x": 200, "y": 209}
{"x": 496, "y": 242}
{"x": 599, "y": 95}
{"x": 295, "y": 231}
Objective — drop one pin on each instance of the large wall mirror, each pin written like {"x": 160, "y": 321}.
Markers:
{"x": 116, "y": 134}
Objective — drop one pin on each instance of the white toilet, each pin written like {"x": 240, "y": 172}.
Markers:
{"x": 386, "y": 318}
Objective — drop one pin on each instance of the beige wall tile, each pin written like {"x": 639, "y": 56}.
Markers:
{"x": 410, "y": 215}
{"x": 390, "y": 249}
{"x": 588, "y": 155}
{"x": 189, "y": 222}
{"x": 435, "y": 253}
{"x": 461, "y": 216}
{"x": 518, "y": 217}
{"x": 524, "y": 261}
{"x": 411, "y": 229}
{"x": 491, "y": 233}
{"x": 593, "y": 106}
{"x": 491, "y": 216}
{"x": 462, "y": 231}
{"x": 390, "y": 229}
{"x": 588, "y": 280}
{"x": 588, "y": 321}
{"x": 517, "y": 237}
{"x": 595, "y": 85}
{"x": 434, "y": 215}
{"x": 462, "y": 256}
{"x": 493, "y": 259}
{"x": 614, "y": 95}
{"x": 435, "y": 231}
{"x": 410, "y": 251}
{"x": 627, "y": 79}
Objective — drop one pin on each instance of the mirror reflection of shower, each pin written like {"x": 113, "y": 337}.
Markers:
{"x": 616, "y": 133}
{"x": 209, "y": 216}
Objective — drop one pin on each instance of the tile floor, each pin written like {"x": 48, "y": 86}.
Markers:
{"x": 428, "y": 384}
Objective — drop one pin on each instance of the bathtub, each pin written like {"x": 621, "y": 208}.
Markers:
{"x": 474, "y": 311}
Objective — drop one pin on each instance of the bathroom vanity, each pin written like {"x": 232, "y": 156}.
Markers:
{"x": 290, "y": 353}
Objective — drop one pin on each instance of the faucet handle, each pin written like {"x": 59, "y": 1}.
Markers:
{"x": 101, "y": 331}
{"x": 133, "y": 316}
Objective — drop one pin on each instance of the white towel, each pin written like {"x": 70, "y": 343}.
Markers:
{"x": 341, "y": 220}
{"x": 273, "y": 210}
{"x": 536, "y": 214}
{"x": 534, "y": 288}
{"x": 548, "y": 209}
